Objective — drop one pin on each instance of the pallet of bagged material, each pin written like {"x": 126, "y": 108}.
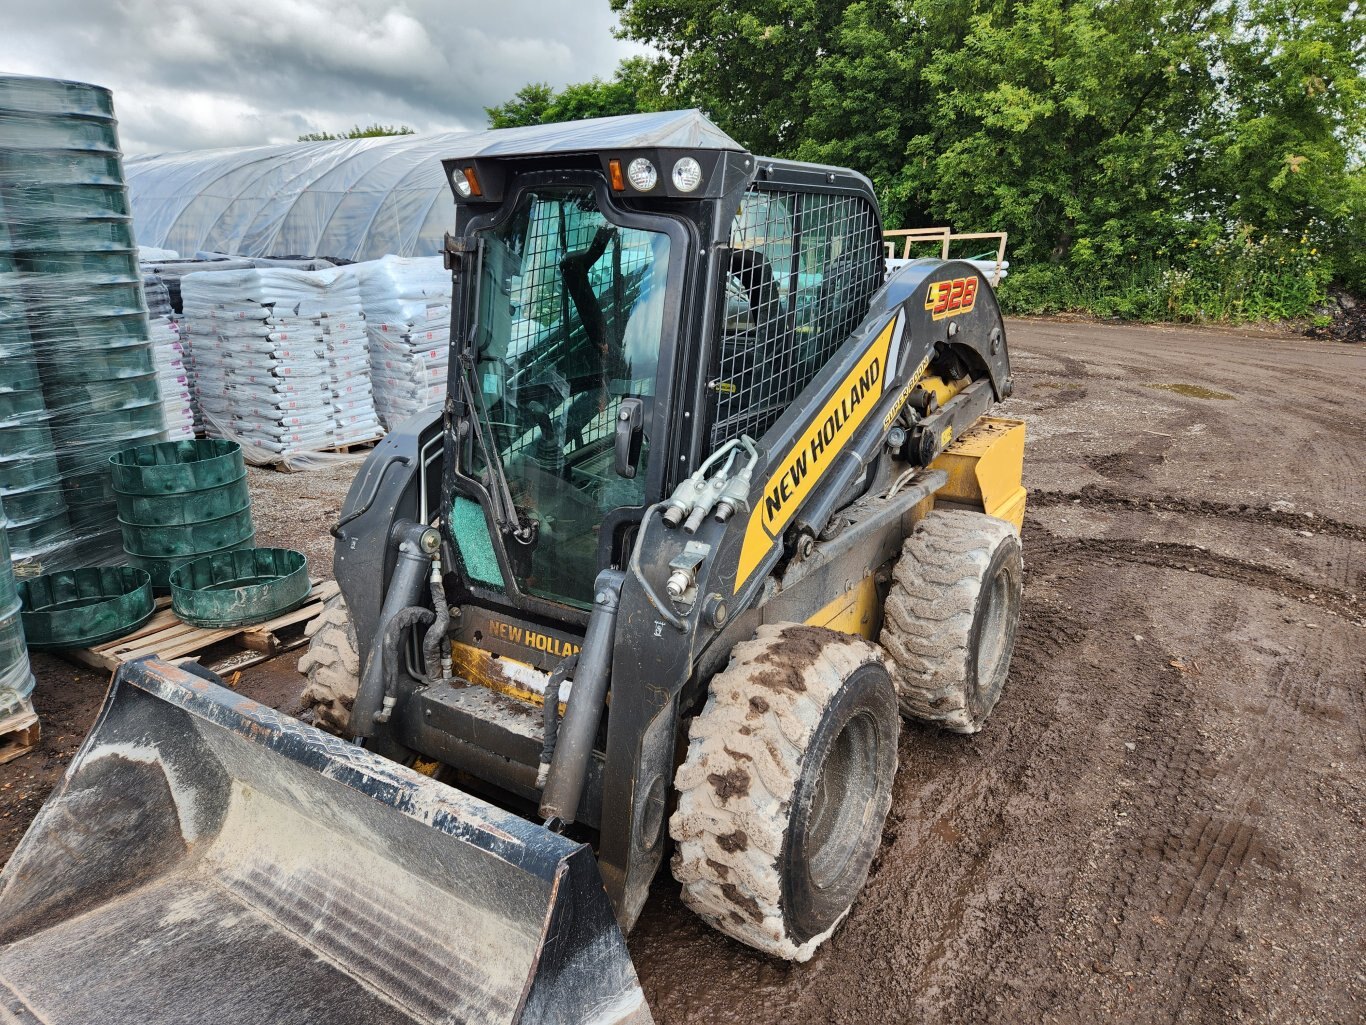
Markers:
{"x": 221, "y": 651}
{"x": 19, "y": 734}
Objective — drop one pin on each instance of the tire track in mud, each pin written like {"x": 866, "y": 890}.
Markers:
{"x": 1173, "y": 555}
{"x": 1095, "y": 497}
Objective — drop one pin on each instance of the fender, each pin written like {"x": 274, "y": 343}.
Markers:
{"x": 390, "y": 486}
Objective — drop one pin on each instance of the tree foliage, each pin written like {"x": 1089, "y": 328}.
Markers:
{"x": 630, "y": 90}
{"x": 1101, "y": 134}
{"x": 373, "y": 131}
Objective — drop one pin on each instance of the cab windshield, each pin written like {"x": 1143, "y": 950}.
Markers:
{"x": 570, "y": 318}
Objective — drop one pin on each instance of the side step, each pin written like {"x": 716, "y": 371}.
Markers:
{"x": 208, "y": 859}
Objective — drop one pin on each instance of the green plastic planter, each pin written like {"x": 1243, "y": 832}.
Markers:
{"x": 150, "y": 511}
{"x": 175, "y": 467}
{"x": 35, "y": 95}
{"x": 186, "y": 539}
{"x": 61, "y": 165}
{"x": 239, "y": 588}
{"x": 160, "y": 569}
{"x": 82, "y": 607}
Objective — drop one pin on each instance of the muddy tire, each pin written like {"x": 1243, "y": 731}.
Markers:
{"x": 332, "y": 665}
{"x": 951, "y": 616}
{"x": 785, "y": 787}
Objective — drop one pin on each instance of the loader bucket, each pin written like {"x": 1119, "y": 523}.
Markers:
{"x": 206, "y": 859}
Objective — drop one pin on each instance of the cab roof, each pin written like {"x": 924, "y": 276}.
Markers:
{"x": 670, "y": 129}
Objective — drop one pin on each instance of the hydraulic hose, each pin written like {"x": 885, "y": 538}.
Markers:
{"x": 416, "y": 545}
{"x": 435, "y": 655}
{"x": 413, "y": 615}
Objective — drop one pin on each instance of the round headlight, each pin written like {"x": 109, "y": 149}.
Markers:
{"x": 687, "y": 174}
{"x": 642, "y": 174}
{"x": 462, "y": 184}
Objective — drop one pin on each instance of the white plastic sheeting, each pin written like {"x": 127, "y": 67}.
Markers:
{"x": 408, "y": 318}
{"x": 280, "y": 359}
{"x": 359, "y": 199}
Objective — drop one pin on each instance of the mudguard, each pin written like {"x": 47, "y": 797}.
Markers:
{"x": 206, "y": 858}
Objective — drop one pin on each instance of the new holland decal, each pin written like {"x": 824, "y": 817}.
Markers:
{"x": 793, "y": 476}
{"x": 950, "y": 298}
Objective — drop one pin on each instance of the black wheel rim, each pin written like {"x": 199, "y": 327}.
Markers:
{"x": 993, "y": 637}
{"x": 847, "y": 789}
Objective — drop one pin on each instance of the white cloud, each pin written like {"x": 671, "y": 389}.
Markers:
{"x": 190, "y": 75}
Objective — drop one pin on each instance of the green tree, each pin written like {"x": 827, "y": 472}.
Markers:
{"x": 373, "y": 131}
{"x": 1104, "y": 136}
{"x": 630, "y": 90}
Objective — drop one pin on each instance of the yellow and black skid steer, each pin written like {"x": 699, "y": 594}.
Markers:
{"x": 711, "y": 503}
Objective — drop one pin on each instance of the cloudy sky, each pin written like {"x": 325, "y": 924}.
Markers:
{"x": 192, "y": 75}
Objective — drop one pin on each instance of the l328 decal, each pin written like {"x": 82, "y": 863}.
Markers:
{"x": 950, "y": 298}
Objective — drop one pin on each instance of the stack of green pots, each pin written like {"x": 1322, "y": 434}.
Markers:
{"x": 180, "y": 500}
{"x": 30, "y": 482}
{"x": 73, "y": 262}
{"x": 16, "y": 678}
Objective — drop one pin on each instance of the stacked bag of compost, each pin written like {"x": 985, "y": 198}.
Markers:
{"x": 172, "y": 374}
{"x": 408, "y": 317}
{"x": 280, "y": 360}
{"x": 80, "y": 380}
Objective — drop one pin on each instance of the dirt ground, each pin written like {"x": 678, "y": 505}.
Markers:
{"x": 1163, "y": 821}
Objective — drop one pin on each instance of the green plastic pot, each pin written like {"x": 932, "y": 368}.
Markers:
{"x": 54, "y": 96}
{"x": 54, "y": 231}
{"x": 174, "y": 467}
{"x": 72, "y": 199}
{"x": 39, "y": 535}
{"x": 187, "y": 506}
{"x": 36, "y": 503}
{"x": 20, "y": 472}
{"x": 83, "y": 607}
{"x": 60, "y": 165}
{"x": 239, "y": 588}
{"x": 96, "y": 396}
{"x": 21, "y": 408}
{"x": 119, "y": 262}
{"x": 160, "y": 570}
{"x": 102, "y": 365}
{"x": 31, "y": 131}
{"x": 186, "y": 539}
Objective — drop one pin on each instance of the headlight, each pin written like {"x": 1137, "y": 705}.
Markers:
{"x": 642, "y": 174}
{"x": 687, "y": 174}
{"x": 461, "y": 184}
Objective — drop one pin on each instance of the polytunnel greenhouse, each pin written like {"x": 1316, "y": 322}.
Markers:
{"x": 358, "y": 199}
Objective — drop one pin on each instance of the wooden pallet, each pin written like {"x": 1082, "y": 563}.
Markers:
{"x": 19, "y": 734}
{"x": 222, "y": 651}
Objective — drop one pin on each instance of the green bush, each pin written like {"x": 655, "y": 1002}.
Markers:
{"x": 1221, "y": 277}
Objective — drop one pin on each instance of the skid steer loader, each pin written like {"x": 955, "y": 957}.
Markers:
{"x": 710, "y": 503}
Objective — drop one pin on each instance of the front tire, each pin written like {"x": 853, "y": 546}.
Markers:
{"x": 785, "y": 788}
{"x": 951, "y": 617}
{"x": 332, "y": 665}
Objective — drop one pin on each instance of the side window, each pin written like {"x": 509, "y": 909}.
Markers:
{"x": 803, "y": 268}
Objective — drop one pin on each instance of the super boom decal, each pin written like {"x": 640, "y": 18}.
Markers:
{"x": 792, "y": 478}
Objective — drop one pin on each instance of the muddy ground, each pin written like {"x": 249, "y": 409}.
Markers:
{"x": 1163, "y": 820}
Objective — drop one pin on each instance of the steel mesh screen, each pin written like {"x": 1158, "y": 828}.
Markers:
{"x": 802, "y": 272}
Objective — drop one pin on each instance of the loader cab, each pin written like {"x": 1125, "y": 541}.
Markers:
{"x": 623, "y": 304}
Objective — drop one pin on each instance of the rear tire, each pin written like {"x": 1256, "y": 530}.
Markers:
{"x": 785, "y": 788}
{"x": 951, "y": 617}
{"x": 332, "y": 665}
